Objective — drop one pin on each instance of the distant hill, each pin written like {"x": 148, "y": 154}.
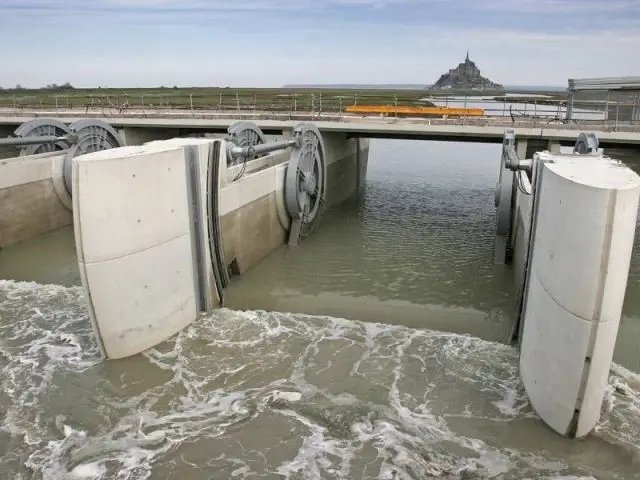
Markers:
{"x": 466, "y": 76}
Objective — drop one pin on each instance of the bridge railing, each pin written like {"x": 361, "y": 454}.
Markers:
{"x": 530, "y": 109}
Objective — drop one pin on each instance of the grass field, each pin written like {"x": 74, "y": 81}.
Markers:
{"x": 269, "y": 99}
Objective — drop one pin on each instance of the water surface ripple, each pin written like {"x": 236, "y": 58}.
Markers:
{"x": 272, "y": 395}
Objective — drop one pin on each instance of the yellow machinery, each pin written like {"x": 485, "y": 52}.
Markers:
{"x": 405, "y": 111}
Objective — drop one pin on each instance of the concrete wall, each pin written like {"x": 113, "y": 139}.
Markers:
{"x": 346, "y": 165}
{"x": 251, "y": 232}
{"x": 29, "y": 203}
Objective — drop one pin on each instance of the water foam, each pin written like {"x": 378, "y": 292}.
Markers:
{"x": 246, "y": 394}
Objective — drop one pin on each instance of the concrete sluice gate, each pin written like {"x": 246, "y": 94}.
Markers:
{"x": 567, "y": 221}
{"x": 160, "y": 227}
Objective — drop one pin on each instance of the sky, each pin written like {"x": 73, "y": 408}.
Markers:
{"x": 270, "y": 43}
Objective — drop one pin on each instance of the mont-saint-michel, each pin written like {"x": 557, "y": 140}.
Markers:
{"x": 466, "y": 76}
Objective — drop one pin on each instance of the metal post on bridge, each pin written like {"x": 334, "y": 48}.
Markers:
{"x": 464, "y": 117}
{"x": 569, "y": 114}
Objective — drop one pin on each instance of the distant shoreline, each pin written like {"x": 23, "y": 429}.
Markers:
{"x": 402, "y": 86}
{"x": 287, "y": 88}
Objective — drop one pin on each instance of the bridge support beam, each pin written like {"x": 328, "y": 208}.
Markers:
{"x": 554, "y": 146}
{"x": 521, "y": 147}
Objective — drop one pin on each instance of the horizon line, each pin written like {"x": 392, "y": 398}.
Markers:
{"x": 292, "y": 85}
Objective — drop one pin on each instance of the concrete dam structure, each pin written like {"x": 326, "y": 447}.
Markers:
{"x": 162, "y": 224}
{"x": 187, "y": 213}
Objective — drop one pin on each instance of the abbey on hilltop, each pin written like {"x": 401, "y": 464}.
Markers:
{"x": 466, "y": 76}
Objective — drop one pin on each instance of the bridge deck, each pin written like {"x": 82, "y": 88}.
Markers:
{"x": 486, "y": 130}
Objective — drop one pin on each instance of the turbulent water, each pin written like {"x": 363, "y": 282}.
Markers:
{"x": 272, "y": 395}
{"x": 392, "y": 393}
{"x": 415, "y": 248}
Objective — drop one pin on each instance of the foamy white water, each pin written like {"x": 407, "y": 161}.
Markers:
{"x": 274, "y": 395}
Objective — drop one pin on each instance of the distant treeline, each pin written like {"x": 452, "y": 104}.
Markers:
{"x": 52, "y": 87}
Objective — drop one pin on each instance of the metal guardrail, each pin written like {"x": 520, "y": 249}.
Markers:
{"x": 533, "y": 109}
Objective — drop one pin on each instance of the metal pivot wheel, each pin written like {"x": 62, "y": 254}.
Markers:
{"x": 305, "y": 181}
{"x": 244, "y": 134}
{"x": 504, "y": 199}
{"x": 587, "y": 142}
{"x": 39, "y": 127}
{"x": 93, "y": 135}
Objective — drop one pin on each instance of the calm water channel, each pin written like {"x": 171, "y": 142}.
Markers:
{"x": 391, "y": 362}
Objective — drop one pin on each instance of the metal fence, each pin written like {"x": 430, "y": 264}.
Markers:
{"x": 612, "y": 113}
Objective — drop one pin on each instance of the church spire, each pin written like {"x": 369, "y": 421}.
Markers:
{"x": 467, "y": 59}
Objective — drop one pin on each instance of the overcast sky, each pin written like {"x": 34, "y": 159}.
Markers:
{"x": 130, "y": 43}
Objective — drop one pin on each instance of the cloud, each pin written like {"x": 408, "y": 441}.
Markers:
{"x": 273, "y": 42}
{"x": 606, "y": 39}
{"x": 545, "y": 14}
{"x": 584, "y": 7}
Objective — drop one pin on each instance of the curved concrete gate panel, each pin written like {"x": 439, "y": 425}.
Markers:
{"x": 571, "y": 232}
{"x": 584, "y": 226}
{"x": 191, "y": 212}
